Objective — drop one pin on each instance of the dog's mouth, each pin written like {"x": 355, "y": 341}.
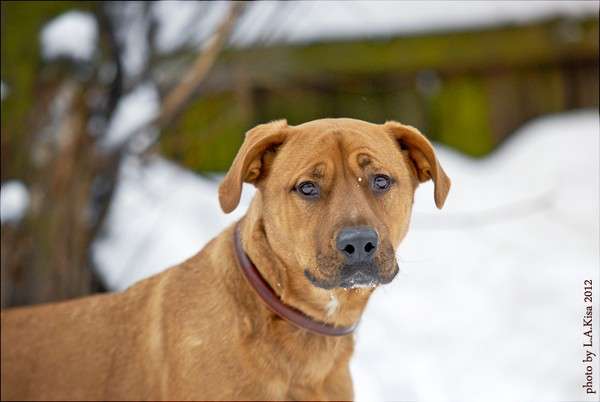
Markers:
{"x": 359, "y": 276}
{"x": 359, "y": 279}
{"x": 353, "y": 277}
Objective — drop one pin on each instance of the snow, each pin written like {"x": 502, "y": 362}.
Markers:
{"x": 73, "y": 34}
{"x": 134, "y": 111}
{"x": 161, "y": 215}
{"x": 14, "y": 201}
{"x": 305, "y": 21}
{"x": 488, "y": 303}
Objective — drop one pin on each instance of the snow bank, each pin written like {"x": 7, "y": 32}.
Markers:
{"x": 488, "y": 303}
{"x": 72, "y": 34}
{"x": 14, "y": 201}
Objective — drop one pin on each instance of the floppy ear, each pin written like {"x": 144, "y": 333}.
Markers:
{"x": 246, "y": 166}
{"x": 423, "y": 158}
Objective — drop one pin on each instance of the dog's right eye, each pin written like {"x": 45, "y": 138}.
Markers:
{"x": 308, "y": 189}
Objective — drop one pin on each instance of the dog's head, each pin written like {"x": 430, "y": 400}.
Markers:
{"x": 336, "y": 194}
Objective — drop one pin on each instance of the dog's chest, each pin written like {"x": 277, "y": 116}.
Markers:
{"x": 304, "y": 358}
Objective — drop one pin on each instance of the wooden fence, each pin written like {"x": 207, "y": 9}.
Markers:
{"x": 466, "y": 89}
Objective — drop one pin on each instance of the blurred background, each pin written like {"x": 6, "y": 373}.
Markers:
{"x": 120, "y": 118}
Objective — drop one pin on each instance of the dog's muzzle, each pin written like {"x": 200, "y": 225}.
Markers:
{"x": 358, "y": 245}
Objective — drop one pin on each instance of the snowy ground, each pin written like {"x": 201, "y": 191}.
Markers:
{"x": 489, "y": 302}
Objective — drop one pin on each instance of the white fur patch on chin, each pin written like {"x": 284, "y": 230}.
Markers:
{"x": 332, "y": 306}
{"x": 363, "y": 285}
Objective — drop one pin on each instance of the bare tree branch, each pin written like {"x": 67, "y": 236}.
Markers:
{"x": 178, "y": 98}
{"x": 115, "y": 50}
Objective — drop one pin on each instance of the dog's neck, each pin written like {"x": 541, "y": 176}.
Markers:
{"x": 339, "y": 307}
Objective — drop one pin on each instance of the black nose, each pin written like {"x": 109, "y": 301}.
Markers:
{"x": 358, "y": 244}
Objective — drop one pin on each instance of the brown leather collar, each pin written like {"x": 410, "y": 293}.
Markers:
{"x": 274, "y": 303}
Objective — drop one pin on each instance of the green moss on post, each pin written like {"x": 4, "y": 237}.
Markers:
{"x": 296, "y": 105}
{"x": 208, "y": 134}
{"x": 406, "y": 106}
{"x": 361, "y": 102}
{"x": 460, "y": 116}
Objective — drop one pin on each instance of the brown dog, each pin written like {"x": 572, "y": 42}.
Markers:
{"x": 334, "y": 201}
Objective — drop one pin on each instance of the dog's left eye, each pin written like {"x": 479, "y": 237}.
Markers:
{"x": 381, "y": 183}
{"x": 308, "y": 189}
